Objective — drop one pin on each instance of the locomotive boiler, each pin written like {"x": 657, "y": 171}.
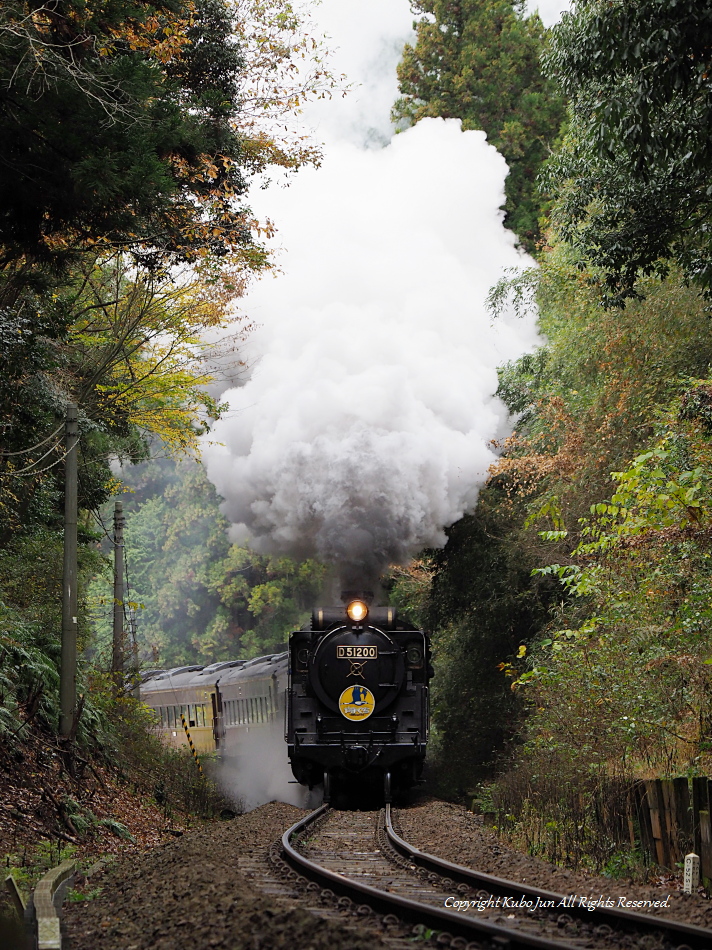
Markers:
{"x": 357, "y": 700}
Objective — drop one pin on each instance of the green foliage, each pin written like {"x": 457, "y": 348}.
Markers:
{"x": 483, "y": 605}
{"x": 132, "y": 355}
{"x": 263, "y": 598}
{"x": 28, "y": 675}
{"x": 200, "y": 598}
{"x": 586, "y": 402}
{"x": 117, "y": 129}
{"x": 623, "y": 675}
{"x": 582, "y": 640}
{"x": 633, "y": 179}
{"x": 409, "y": 588}
{"x": 479, "y": 62}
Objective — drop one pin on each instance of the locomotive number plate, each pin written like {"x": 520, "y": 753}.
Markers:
{"x": 356, "y": 653}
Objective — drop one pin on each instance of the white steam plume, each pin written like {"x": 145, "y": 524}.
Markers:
{"x": 364, "y": 429}
{"x": 262, "y": 773}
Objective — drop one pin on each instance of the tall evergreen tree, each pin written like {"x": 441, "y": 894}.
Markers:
{"x": 634, "y": 178}
{"x": 116, "y": 129}
{"x": 478, "y": 60}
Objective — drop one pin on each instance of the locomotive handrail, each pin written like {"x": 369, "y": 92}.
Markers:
{"x": 436, "y": 918}
{"x": 701, "y": 937}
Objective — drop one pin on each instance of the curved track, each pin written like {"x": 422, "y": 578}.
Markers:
{"x": 375, "y": 868}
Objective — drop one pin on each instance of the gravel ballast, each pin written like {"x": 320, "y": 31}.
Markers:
{"x": 190, "y": 895}
{"x": 455, "y": 834}
{"x": 204, "y": 890}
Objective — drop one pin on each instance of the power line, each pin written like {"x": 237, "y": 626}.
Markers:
{"x": 29, "y": 471}
{"x": 33, "y": 447}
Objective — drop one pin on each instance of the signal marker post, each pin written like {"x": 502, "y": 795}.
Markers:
{"x": 192, "y": 747}
{"x": 691, "y": 879}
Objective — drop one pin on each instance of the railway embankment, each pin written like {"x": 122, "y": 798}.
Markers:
{"x": 90, "y": 805}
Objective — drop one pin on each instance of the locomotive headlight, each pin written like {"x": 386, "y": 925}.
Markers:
{"x": 414, "y": 655}
{"x": 357, "y": 611}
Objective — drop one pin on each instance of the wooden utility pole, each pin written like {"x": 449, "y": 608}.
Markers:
{"x": 117, "y": 655}
{"x": 68, "y": 665}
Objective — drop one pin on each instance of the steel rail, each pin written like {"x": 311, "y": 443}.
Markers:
{"x": 697, "y": 938}
{"x": 436, "y": 918}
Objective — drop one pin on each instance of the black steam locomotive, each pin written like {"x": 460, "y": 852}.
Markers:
{"x": 353, "y": 691}
{"x": 357, "y": 700}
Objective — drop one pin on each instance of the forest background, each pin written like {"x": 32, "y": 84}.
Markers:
{"x": 570, "y": 611}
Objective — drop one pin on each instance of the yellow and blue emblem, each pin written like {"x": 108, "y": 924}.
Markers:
{"x": 357, "y": 703}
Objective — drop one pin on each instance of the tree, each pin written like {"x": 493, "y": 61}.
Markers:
{"x": 623, "y": 673}
{"x": 115, "y": 124}
{"x": 133, "y": 358}
{"x": 479, "y": 62}
{"x": 201, "y": 599}
{"x": 635, "y": 173}
{"x": 586, "y": 402}
{"x": 121, "y": 125}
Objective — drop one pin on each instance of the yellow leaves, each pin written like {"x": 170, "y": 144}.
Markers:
{"x": 136, "y": 346}
{"x": 161, "y": 38}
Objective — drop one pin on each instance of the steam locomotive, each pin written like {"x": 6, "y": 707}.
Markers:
{"x": 352, "y": 690}
{"x": 357, "y": 704}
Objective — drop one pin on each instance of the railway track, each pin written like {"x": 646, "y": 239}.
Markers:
{"x": 360, "y": 863}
